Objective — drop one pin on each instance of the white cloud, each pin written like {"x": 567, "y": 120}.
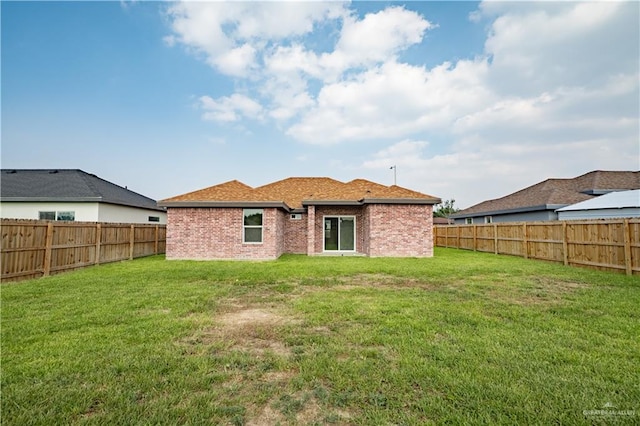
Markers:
{"x": 230, "y": 108}
{"x": 258, "y": 41}
{"x": 374, "y": 39}
{"x": 236, "y": 62}
{"x": 229, "y": 34}
{"x": 474, "y": 175}
{"x": 393, "y": 100}
{"x": 563, "y": 44}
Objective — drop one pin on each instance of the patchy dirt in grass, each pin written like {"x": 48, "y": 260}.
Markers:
{"x": 372, "y": 281}
{"x": 244, "y": 328}
{"x": 382, "y": 281}
{"x": 300, "y": 408}
{"x": 251, "y": 316}
{"x": 540, "y": 291}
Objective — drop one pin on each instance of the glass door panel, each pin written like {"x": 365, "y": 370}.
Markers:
{"x": 347, "y": 228}
{"x": 331, "y": 233}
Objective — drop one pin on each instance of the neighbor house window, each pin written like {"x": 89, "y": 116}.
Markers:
{"x": 488, "y": 219}
{"x": 468, "y": 221}
{"x": 252, "y": 229}
{"x": 154, "y": 218}
{"x": 47, "y": 215}
{"x": 57, "y": 216}
{"x": 66, "y": 216}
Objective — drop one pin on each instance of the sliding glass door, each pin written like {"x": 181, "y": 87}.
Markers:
{"x": 340, "y": 233}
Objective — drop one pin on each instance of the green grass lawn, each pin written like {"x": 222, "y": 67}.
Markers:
{"x": 460, "y": 338}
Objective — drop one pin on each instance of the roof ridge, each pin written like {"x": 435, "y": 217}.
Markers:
{"x": 86, "y": 179}
{"x": 88, "y": 176}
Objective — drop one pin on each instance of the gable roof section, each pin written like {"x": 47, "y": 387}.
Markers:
{"x": 552, "y": 194}
{"x": 66, "y": 185}
{"x": 297, "y": 192}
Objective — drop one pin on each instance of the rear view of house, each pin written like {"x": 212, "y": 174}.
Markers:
{"x": 311, "y": 216}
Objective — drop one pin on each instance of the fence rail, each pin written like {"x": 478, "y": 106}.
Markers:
{"x": 32, "y": 248}
{"x": 612, "y": 245}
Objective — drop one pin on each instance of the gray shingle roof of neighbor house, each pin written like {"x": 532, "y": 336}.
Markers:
{"x": 553, "y": 194}
{"x": 67, "y": 185}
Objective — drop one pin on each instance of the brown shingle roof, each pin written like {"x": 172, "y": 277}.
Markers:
{"x": 232, "y": 190}
{"x": 558, "y": 192}
{"x": 296, "y": 191}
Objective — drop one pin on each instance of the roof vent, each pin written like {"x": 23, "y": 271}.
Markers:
{"x": 10, "y": 172}
{"x": 51, "y": 172}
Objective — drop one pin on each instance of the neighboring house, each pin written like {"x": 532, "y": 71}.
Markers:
{"x": 620, "y": 204}
{"x": 72, "y": 195}
{"x": 299, "y": 215}
{"x": 540, "y": 201}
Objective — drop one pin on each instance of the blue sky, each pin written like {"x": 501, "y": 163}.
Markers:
{"x": 469, "y": 100}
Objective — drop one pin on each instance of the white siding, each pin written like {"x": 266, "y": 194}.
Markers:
{"x": 85, "y": 212}
{"x": 124, "y": 214}
{"x": 599, "y": 214}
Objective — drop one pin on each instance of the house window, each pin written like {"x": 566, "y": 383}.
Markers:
{"x": 47, "y": 215}
{"x": 488, "y": 219}
{"x": 339, "y": 233}
{"x": 70, "y": 216}
{"x": 154, "y": 218}
{"x": 468, "y": 221}
{"x": 252, "y": 228}
{"x": 296, "y": 216}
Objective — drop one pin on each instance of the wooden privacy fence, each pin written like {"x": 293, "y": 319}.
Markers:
{"x": 611, "y": 244}
{"x": 32, "y": 249}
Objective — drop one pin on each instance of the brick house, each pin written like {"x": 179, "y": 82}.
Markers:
{"x": 312, "y": 216}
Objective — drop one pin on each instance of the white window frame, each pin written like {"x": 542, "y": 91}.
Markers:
{"x": 355, "y": 233}
{"x": 40, "y": 213}
{"x": 468, "y": 221}
{"x": 244, "y": 227}
{"x": 488, "y": 219}
{"x": 57, "y": 214}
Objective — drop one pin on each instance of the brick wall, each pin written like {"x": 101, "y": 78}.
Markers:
{"x": 295, "y": 234}
{"x": 216, "y": 233}
{"x": 400, "y": 230}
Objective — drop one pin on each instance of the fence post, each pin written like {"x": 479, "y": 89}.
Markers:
{"x": 525, "y": 243}
{"x": 132, "y": 241}
{"x": 155, "y": 246}
{"x": 98, "y": 242}
{"x": 46, "y": 268}
{"x": 495, "y": 238}
{"x": 459, "y": 228}
{"x": 627, "y": 247}
{"x": 475, "y": 237}
{"x": 565, "y": 244}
